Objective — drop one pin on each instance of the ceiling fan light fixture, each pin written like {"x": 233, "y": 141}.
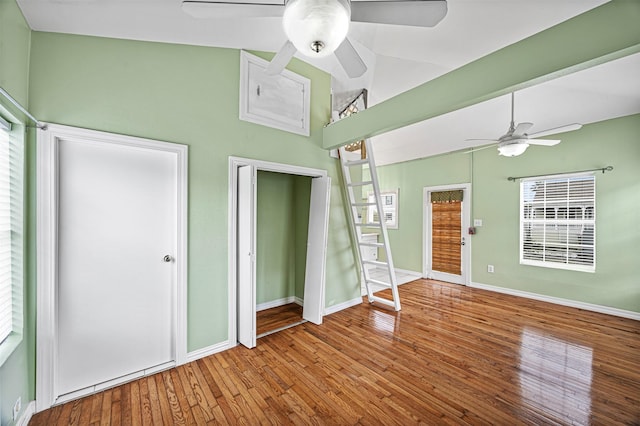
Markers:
{"x": 316, "y": 27}
{"x": 513, "y": 149}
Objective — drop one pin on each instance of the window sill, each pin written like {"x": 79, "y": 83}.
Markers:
{"x": 8, "y": 346}
{"x": 564, "y": 266}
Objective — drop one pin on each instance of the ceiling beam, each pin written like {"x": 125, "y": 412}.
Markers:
{"x": 600, "y": 35}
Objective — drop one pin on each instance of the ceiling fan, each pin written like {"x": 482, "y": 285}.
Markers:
{"x": 516, "y": 141}
{"x": 318, "y": 28}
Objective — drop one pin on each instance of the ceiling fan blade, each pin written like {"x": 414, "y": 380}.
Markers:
{"x": 555, "y": 130}
{"x": 281, "y": 59}
{"x": 522, "y": 128}
{"x": 479, "y": 149}
{"x": 543, "y": 142}
{"x": 415, "y": 13}
{"x": 350, "y": 59}
{"x": 482, "y": 140}
{"x": 224, "y": 10}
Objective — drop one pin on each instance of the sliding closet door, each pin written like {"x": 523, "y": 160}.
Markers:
{"x": 246, "y": 256}
{"x": 313, "y": 308}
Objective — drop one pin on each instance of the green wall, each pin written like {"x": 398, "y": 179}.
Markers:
{"x": 189, "y": 95}
{"x": 282, "y": 221}
{"x": 18, "y": 371}
{"x": 495, "y": 201}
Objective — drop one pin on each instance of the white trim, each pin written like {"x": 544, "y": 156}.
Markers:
{"x": 234, "y": 164}
{"x": 279, "y": 302}
{"x": 427, "y": 272}
{"x": 232, "y": 238}
{"x": 28, "y": 412}
{"x": 47, "y": 252}
{"x": 560, "y": 301}
{"x": 46, "y": 269}
{"x": 344, "y": 305}
{"x": 208, "y": 350}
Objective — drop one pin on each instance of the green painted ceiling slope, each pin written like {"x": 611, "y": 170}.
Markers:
{"x": 603, "y": 34}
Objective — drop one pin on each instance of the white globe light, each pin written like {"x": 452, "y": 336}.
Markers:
{"x": 513, "y": 149}
{"x": 316, "y": 27}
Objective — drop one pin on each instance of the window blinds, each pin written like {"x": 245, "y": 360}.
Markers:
{"x": 558, "y": 219}
{"x": 11, "y": 166}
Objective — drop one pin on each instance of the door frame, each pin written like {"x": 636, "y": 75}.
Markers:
{"x": 47, "y": 249}
{"x": 234, "y": 164}
{"x": 427, "y": 231}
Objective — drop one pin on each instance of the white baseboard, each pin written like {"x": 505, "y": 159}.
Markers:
{"x": 29, "y": 411}
{"x": 279, "y": 302}
{"x": 559, "y": 301}
{"x": 344, "y": 305}
{"x": 209, "y": 350}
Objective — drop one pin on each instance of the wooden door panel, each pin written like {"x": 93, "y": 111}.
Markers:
{"x": 446, "y": 235}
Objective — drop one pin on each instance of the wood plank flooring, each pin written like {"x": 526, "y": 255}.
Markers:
{"x": 453, "y": 355}
{"x": 277, "y": 318}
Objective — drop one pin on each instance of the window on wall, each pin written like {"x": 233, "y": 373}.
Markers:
{"x": 558, "y": 222}
{"x": 389, "y": 207}
{"x": 11, "y": 170}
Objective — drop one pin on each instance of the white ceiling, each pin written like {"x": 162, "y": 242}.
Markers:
{"x": 399, "y": 58}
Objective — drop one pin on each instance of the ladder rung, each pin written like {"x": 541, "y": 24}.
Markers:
{"x": 364, "y": 183}
{"x": 377, "y": 282}
{"x": 356, "y": 162}
{"x": 362, "y": 204}
{"x": 376, "y": 262}
{"x": 371, "y": 244}
{"x": 383, "y": 301}
{"x": 370, "y": 225}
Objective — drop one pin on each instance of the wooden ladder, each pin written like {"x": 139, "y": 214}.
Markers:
{"x": 359, "y": 220}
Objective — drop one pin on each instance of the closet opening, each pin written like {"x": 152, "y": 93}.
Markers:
{"x": 278, "y": 237}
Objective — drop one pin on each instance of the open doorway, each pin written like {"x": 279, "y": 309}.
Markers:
{"x": 282, "y": 221}
{"x": 273, "y": 262}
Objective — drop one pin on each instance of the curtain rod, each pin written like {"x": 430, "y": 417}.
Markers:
{"x": 10, "y": 98}
{"x": 603, "y": 169}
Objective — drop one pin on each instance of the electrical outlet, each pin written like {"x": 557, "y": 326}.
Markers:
{"x": 477, "y": 222}
{"x": 490, "y": 269}
{"x": 16, "y": 408}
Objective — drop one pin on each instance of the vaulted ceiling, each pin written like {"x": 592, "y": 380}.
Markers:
{"x": 398, "y": 58}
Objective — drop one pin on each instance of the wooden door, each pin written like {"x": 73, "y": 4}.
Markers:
{"x": 446, "y": 237}
{"x": 446, "y": 249}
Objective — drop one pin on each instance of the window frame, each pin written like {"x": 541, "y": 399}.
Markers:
{"x": 392, "y": 208}
{"x": 15, "y": 138}
{"x": 553, "y": 215}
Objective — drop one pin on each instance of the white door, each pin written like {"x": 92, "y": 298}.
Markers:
{"x": 447, "y": 241}
{"x": 117, "y": 231}
{"x": 246, "y": 256}
{"x": 313, "y": 307}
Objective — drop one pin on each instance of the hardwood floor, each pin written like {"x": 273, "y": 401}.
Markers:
{"x": 277, "y": 318}
{"x": 453, "y": 355}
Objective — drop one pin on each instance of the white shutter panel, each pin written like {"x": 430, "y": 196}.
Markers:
{"x": 11, "y": 218}
{"x": 6, "y": 323}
